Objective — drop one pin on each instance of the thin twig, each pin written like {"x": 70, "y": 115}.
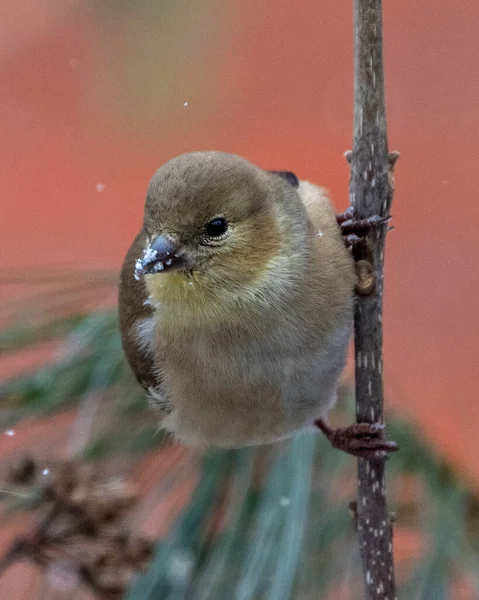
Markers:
{"x": 371, "y": 192}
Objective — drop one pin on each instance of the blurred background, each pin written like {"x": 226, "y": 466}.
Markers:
{"x": 95, "y": 96}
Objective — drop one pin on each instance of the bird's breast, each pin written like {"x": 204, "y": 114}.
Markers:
{"x": 238, "y": 392}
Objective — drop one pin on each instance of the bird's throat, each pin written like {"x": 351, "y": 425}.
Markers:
{"x": 182, "y": 299}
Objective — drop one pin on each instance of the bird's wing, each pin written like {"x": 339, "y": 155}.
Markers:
{"x": 136, "y": 319}
{"x": 316, "y": 201}
{"x": 288, "y": 176}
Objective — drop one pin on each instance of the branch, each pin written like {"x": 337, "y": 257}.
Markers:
{"x": 371, "y": 192}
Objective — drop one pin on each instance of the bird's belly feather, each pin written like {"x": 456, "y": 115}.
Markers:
{"x": 244, "y": 397}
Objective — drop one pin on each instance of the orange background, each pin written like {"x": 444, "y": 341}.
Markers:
{"x": 93, "y": 93}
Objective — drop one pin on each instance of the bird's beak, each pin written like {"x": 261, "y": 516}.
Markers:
{"x": 163, "y": 254}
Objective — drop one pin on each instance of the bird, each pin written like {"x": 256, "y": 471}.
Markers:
{"x": 236, "y": 304}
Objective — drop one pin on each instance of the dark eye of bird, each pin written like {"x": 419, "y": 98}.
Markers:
{"x": 216, "y": 227}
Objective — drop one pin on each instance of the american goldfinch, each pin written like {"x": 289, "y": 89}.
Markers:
{"x": 236, "y": 302}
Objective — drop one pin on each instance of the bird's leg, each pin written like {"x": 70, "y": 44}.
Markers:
{"x": 364, "y": 440}
{"x": 352, "y": 230}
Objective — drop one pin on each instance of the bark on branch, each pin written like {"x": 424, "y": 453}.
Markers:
{"x": 371, "y": 192}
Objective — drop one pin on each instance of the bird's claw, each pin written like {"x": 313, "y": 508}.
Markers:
{"x": 363, "y": 440}
{"x": 353, "y": 230}
{"x": 347, "y": 215}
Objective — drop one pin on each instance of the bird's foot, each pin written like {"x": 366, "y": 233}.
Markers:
{"x": 363, "y": 440}
{"x": 352, "y": 230}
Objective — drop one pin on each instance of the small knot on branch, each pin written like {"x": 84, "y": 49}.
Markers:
{"x": 392, "y": 158}
{"x": 366, "y": 281}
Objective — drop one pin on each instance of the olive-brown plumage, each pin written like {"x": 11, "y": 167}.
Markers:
{"x": 236, "y": 301}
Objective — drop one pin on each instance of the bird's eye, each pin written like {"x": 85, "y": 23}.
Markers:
{"x": 217, "y": 227}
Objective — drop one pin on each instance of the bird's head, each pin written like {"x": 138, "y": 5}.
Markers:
{"x": 213, "y": 221}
